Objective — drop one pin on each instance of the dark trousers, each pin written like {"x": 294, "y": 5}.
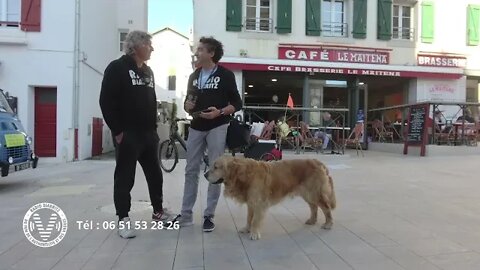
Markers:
{"x": 142, "y": 147}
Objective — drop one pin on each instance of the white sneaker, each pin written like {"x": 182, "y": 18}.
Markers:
{"x": 126, "y": 229}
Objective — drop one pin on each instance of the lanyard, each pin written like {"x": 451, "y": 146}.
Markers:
{"x": 209, "y": 76}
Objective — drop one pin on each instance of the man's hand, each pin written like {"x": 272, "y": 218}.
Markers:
{"x": 212, "y": 114}
{"x": 189, "y": 106}
{"x": 119, "y": 138}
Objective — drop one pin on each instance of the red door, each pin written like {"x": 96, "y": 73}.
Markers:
{"x": 97, "y": 130}
{"x": 46, "y": 122}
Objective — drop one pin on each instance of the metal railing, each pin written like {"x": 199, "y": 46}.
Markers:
{"x": 338, "y": 114}
{"x": 259, "y": 25}
{"x": 403, "y": 33}
{"x": 9, "y": 24}
{"x": 333, "y": 29}
{"x": 293, "y": 116}
{"x": 451, "y": 129}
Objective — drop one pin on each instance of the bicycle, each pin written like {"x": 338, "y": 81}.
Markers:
{"x": 168, "y": 150}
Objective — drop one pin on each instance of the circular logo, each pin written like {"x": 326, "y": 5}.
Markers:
{"x": 45, "y": 225}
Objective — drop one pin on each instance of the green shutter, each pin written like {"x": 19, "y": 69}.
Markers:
{"x": 359, "y": 19}
{"x": 313, "y": 10}
{"x": 473, "y": 21}
{"x": 284, "y": 16}
{"x": 384, "y": 17}
{"x": 234, "y": 15}
{"x": 428, "y": 21}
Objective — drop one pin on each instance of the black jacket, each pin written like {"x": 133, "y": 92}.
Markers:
{"x": 220, "y": 91}
{"x": 127, "y": 98}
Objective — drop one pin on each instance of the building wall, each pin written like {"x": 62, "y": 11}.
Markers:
{"x": 264, "y": 45}
{"x": 450, "y": 35}
{"x": 97, "y": 53}
{"x": 451, "y": 32}
{"x": 449, "y": 39}
{"x": 172, "y": 56}
{"x": 42, "y": 59}
{"x": 46, "y": 59}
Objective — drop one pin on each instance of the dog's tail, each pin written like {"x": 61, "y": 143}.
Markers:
{"x": 333, "y": 199}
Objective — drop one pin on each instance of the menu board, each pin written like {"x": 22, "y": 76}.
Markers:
{"x": 416, "y": 133}
{"x": 416, "y": 127}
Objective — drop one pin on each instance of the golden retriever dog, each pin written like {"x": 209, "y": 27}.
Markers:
{"x": 263, "y": 184}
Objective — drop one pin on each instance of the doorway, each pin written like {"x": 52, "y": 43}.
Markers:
{"x": 45, "y": 122}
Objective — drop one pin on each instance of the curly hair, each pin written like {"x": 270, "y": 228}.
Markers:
{"x": 213, "y": 45}
{"x": 134, "y": 39}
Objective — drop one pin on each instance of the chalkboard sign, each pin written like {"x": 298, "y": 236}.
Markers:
{"x": 417, "y": 128}
{"x": 416, "y": 124}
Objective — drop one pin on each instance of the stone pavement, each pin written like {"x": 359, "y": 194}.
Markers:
{"x": 394, "y": 212}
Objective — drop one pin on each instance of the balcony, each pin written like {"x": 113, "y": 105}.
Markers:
{"x": 403, "y": 33}
{"x": 333, "y": 29}
{"x": 264, "y": 25}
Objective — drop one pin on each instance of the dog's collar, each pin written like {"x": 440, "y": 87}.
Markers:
{"x": 219, "y": 181}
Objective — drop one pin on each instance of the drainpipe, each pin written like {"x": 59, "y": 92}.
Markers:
{"x": 76, "y": 79}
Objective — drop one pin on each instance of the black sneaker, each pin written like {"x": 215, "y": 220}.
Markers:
{"x": 208, "y": 225}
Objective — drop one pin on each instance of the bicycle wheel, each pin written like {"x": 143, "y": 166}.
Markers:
{"x": 168, "y": 155}
{"x": 268, "y": 157}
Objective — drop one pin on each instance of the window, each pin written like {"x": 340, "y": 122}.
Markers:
{"x": 10, "y": 12}
{"x": 172, "y": 82}
{"x": 333, "y": 18}
{"x": 123, "y": 36}
{"x": 259, "y": 16}
{"x": 402, "y": 22}
{"x": 8, "y": 126}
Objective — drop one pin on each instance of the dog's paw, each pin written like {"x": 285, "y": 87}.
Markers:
{"x": 327, "y": 226}
{"x": 311, "y": 222}
{"x": 244, "y": 230}
{"x": 255, "y": 235}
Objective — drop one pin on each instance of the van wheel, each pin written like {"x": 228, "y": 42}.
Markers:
{"x": 35, "y": 163}
{"x": 5, "y": 170}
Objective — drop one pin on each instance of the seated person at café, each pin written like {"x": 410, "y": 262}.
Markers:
{"x": 468, "y": 117}
{"x": 439, "y": 125}
{"x": 285, "y": 131}
{"x": 326, "y": 134}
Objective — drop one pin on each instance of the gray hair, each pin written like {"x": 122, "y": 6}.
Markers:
{"x": 135, "y": 39}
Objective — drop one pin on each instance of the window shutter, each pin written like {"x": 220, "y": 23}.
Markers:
{"x": 313, "y": 9}
{"x": 31, "y": 15}
{"x": 428, "y": 22}
{"x": 359, "y": 19}
{"x": 384, "y": 20}
{"x": 234, "y": 15}
{"x": 473, "y": 21}
{"x": 284, "y": 16}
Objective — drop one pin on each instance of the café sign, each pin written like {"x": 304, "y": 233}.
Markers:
{"x": 345, "y": 55}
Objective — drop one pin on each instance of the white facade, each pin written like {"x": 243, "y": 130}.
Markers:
{"x": 76, "y": 42}
{"x": 254, "y": 48}
{"x": 172, "y": 58}
{"x": 450, "y": 35}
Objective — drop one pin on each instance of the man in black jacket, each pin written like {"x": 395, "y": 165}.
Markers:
{"x": 129, "y": 106}
{"x": 212, "y": 96}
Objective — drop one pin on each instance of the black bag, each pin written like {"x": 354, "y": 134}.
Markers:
{"x": 238, "y": 134}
